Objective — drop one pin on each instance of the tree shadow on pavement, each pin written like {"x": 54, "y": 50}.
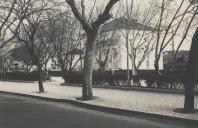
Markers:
{"x": 182, "y": 111}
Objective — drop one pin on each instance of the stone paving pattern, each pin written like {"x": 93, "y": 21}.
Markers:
{"x": 148, "y": 102}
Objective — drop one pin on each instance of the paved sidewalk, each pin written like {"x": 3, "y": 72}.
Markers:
{"x": 147, "y": 102}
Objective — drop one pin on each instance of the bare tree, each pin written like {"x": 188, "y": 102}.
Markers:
{"x": 66, "y": 37}
{"x": 188, "y": 27}
{"x": 138, "y": 35}
{"x": 129, "y": 11}
{"x": 8, "y": 19}
{"x": 104, "y": 45}
{"x": 190, "y": 75}
{"x": 105, "y": 41}
{"x": 169, "y": 25}
{"x": 44, "y": 49}
{"x": 91, "y": 28}
{"x": 174, "y": 24}
{"x": 30, "y": 33}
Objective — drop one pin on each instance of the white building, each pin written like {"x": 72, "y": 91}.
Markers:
{"x": 118, "y": 52}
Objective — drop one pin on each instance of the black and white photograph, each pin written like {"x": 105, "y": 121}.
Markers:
{"x": 98, "y": 63}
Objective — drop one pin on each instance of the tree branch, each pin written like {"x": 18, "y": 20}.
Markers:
{"x": 105, "y": 15}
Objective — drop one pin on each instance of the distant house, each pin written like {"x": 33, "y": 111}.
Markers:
{"x": 124, "y": 23}
{"x": 178, "y": 63}
{"x": 118, "y": 54}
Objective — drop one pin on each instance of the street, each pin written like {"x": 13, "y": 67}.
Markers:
{"x": 22, "y": 112}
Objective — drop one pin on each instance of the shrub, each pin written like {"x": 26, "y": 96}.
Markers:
{"x": 162, "y": 81}
{"x": 73, "y": 77}
{"x": 1, "y": 76}
{"x": 99, "y": 77}
{"x": 167, "y": 80}
{"x": 33, "y": 76}
{"x": 55, "y": 73}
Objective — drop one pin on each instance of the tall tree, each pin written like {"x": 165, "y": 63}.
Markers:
{"x": 169, "y": 24}
{"x": 190, "y": 76}
{"x": 137, "y": 33}
{"x": 9, "y": 19}
{"x": 104, "y": 46}
{"x": 91, "y": 28}
{"x": 66, "y": 36}
{"x": 31, "y": 33}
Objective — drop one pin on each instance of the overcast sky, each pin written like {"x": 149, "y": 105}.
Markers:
{"x": 100, "y": 4}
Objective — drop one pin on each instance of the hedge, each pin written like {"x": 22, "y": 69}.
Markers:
{"x": 33, "y": 76}
{"x": 55, "y": 73}
{"x": 120, "y": 78}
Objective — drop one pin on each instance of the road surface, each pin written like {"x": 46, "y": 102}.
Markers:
{"x": 23, "y": 112}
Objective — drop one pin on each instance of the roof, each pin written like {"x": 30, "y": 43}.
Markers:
{"x": 123, "y": 23}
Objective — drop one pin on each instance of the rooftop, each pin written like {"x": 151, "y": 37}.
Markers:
{"x": 123, "y": 23}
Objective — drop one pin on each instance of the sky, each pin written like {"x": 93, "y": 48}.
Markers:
{"x": 100, "y": 4}
{"x": 143, "y": 4}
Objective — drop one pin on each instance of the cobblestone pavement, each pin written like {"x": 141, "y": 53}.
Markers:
{"x": 148, "y": 102}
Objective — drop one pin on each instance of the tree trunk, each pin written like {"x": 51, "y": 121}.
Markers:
{"x": 45, "y": 66}
{"x": 156, "y": 66}
{"x": 91, "y": 30}
{"x": 63, "y": 75}
{"x": 136, "y": 80}
{"x": 40, "y": 78}
{"x": 157, "y": 72}
{"x": 63, "y": 72}
{"x": 189, "y": 97}
{"x": 88, "y": 65}
{"x": 69, "y": 76}
{"x": 190, "y": 75}
{"x": 101, "y": 66}
{"x": 133, "y": 68}
{"x": 127, "y": 48}
{"x": 27, "y": 69}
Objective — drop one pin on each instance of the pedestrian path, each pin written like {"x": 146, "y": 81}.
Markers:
{"x": 147, "y": 102}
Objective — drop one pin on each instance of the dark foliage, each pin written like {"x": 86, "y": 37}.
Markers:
{"x": 167, "y": 80}
{"x": 55, "y": 73}
{"x": 33, "y": 76}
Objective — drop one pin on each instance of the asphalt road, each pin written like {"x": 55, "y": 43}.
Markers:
{"x": 22, "y": 112}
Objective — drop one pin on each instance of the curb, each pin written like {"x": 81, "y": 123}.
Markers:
{"x": 123, "y": 112}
